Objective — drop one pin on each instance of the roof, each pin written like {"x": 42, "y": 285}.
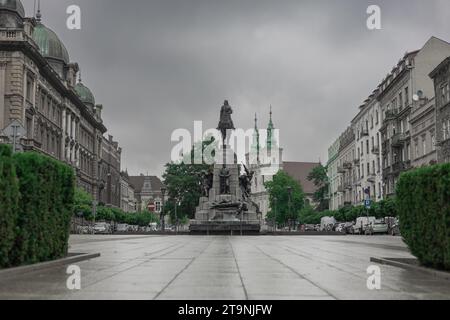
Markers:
{"x": 300, "y": 172}
{"x": 49, "y": 44}
{"x": 85, "y": 93}
{"x": 13, "y": 5}
{"x": 138, "y": 183}
{"x": 439, "y": 67}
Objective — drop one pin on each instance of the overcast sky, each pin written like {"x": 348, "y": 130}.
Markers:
{"x": 160, "y": 65}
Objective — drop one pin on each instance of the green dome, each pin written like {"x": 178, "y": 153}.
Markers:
{"x": 49, "y": 44}
{"x": 13, "y": 5}
{"x": 85, "y": 94}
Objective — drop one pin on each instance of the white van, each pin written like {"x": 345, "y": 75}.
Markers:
{"x": 327, "y": 223}
{"x": 362, "y": 223}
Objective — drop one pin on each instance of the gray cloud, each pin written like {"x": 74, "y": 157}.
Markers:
{"x": 160, "y": 65}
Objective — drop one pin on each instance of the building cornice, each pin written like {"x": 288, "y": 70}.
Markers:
{"x": 52, "y": 77}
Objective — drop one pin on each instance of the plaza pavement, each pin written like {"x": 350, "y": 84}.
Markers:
{"x": 236, "y": 268}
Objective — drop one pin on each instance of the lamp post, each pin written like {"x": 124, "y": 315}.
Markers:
{"x": 275, "y": 199}
{"x": 289, "y": 190}
{"x": 163, "y": 192}
{"x": 177, "y": 203}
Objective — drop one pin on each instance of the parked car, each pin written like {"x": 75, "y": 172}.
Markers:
{"x": 122, "y": 227}
{"x": 102, "y": 228}
{"x": 348, "y": 227}
{"x": 133, "y": 228}
{"x": 361, "y": 224}
{"x": 340, "y": 227}
{"x": 377, "y": 227}
{"x": 310, "y": 227}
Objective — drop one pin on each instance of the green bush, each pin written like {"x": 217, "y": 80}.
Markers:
{"x": 9, "y": 196}
{"x": 46, "y": 202}
{"x": 423, "y": 204}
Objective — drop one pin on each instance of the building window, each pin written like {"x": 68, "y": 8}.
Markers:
{"x": 433, "y": 141}
{"x": 445, "y": 93}
{"x": 30, "y": 85}
{"x": 406, "y": 96}
{"x": 394, "y": 104}
{"x": 424, "y": 145}
{"x": 158, "y": 206}
{"x": 416, "y": 148}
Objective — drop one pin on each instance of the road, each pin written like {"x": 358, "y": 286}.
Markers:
{"x": 235, "y": 268}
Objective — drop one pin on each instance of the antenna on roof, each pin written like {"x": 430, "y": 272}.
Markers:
{"x": 38, "y": 14}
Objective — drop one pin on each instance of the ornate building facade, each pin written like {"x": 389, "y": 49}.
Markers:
{"x": 400, "y": 126}
{"x": 148, "y": 194}
{"x": 441, "y": 78}
{"x": 266, "y": 159}
{"x": 39, "y": 90}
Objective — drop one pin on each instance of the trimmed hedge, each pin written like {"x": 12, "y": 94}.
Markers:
{"x": 9, "y": 196}
{"x": 423, "y": 201}
{"x": 44, "y": 208}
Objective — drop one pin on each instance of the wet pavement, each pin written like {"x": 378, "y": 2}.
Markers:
{"x": 235, "y": 268}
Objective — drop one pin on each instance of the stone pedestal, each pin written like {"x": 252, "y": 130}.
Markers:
{"x": 219, "y": 213}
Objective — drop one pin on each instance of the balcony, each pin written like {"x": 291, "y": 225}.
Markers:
{"x": 357, "y": 161}
{"x": 348, "y": 186}
{"x": 364, "y": 133}
{"x": 398, "y": 140}
{"x": 12, "y": 35}
{"x": 340, "y": 169}
{"x": 391, "y": 114}
{"x": 401, "y": 166}
{"x": 371, "y": 178}
{"x": 340, "y": 189}
{"x": 348, "y": 165}
{"x": 376, "y": 150}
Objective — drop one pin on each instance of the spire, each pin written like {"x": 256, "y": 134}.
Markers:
{"x": 255, "y": 144}
{"x": 270, "y": 138}
{"x": 270, "y": 121}
{"x": 38, "y": 14}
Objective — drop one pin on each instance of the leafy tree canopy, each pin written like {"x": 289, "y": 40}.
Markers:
{"x": 284, "y": 209}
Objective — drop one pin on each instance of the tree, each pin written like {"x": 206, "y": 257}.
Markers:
{"x": 9, "y": 200}
{"x": 278, "y": 190}
{"x": 319, "y": 177}
{"x": 183, "y": 183}
{"x": 82, "y": 204}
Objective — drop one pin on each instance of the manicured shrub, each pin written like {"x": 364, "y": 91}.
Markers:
{"x": 9, "y": 195}
{"x": 423, "y": 204}
{"x": 46, "y": 202}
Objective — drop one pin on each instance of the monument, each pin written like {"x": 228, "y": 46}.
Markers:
{"x": 226, "y": 207}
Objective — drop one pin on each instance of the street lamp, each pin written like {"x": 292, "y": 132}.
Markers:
{"x": 289, "y": 190}
{"x": 275, "y": 199}
{"x": 163, "y": 192}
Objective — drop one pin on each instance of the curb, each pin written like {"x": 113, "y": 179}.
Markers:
{"x": 75, "y": 257}
{"x": 435, "y": 273}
